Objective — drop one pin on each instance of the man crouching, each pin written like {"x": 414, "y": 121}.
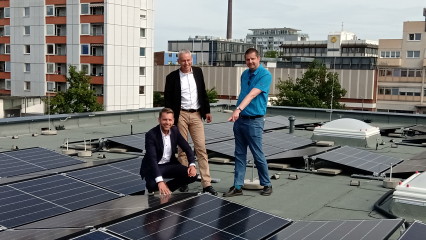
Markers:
{"x": 160, "y": 162}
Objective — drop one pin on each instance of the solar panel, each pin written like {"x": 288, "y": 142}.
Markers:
{"x": 300, "y": 153}
{"x": 111, "y": 178}
{"x": 132, "y": 165}
{"x": 360, "y": 159}
{"x": 18, "y": 207}
{"x": 32, "y": 160}
{"x": 417, "y": 231}
{"x": 106, "y": 212}
{"x": 212, "y": 135}
{"x": 135, "y": 141}
{"x": 340, "y": 230}
{"x": 224, "y": 127}
{"x": 97, "y": 235}
{"x": 284, "y": 141}
{"x": 419, "y": 128}
{"x": 38, "y": 234}
{"x": 416, "y": 163}
{"x": 278, "y": 119}
{"x": 272, "y": 125}
{"x": 204, "y": 216}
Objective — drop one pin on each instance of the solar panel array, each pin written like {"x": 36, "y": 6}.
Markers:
{"x": 111, "y": 178}
{"x": 38, "y": 234}
{"x": 340, "y": 230}
{"x": 132, "y": 165}
{"x": 29, "y": 201}
{"x": 201, "y": 217}
{"x": 417, "y": 231}
{"x": 32, "y": 160}
{"x": 97, "y": 235}
{"x": 135, "y": 141}
{"x": 360, "y": 159}
{"x": 273, "y": 143}
{"x": 419, "y": 128}
{"x": 416, "y": 163}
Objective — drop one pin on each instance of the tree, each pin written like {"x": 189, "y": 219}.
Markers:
{"x": 271, "y": 54}
{"x": 78, "y": 98}
{"x": 158, "y": 100}
{"x": 212, "y": 95}
{"x": 313, "y": 90}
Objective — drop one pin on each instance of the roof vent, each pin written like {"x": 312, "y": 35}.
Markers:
{"x": 348, "y": 131}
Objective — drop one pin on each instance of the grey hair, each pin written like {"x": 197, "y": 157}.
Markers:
{"x": 184, "y": 51}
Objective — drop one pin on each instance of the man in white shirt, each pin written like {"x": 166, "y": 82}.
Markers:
{"x": 160, "y": 161}
{"x": 185, "y": 93}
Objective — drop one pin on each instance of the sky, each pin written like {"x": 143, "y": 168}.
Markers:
{"x": 369, "y": 19}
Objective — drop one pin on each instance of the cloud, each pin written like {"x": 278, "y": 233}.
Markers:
{"x": 369, "y": 19}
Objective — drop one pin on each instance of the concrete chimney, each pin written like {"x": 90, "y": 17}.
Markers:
{"x": 229, "y": 30}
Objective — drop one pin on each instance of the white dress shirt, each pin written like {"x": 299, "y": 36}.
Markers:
{"x": 189, "y": 93}
{"x": 167, "y": 153}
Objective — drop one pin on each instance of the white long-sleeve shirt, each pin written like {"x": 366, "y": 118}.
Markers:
{"x": 167, "y": 153}
{"x": 189, "y": 92}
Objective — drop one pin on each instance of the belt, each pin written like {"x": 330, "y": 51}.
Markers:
{"x": 190, "y": 110}
{"x": 250, "y": 117}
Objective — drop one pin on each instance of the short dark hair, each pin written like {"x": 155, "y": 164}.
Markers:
{"x": 167, "y": 111}
{"x": 250, "y": 51}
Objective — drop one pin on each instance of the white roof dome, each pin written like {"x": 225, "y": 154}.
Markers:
{"x": 348, "y": 128}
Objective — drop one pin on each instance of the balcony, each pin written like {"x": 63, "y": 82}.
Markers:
{"x": 100, "y": 99}
{"x": 96, "y": 34}
{"x": 95, "y": 13}
{"x": 389, "y": 62}
{"x": 55, "y": 78}
{"x": 96, "y": 55}
{"x": 53, "y": 2}
{"x": 5, "y": 86}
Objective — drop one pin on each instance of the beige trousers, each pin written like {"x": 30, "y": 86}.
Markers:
{"x": 193, "y": 123}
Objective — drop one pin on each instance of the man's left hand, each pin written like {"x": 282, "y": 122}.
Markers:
{"x": 209, "y": 118}
{"x": 192, "y": 171}
{"x": 235, "y": 116}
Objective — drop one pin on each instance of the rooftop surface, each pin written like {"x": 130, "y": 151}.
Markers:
{"x": 311, "y": 197}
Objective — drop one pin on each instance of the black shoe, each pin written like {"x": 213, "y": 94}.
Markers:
{"x": 267, "y": 190}
{"x": 233, "y": 191}
{"x": 210, "y": 190}
{"x": 184, "y": 188}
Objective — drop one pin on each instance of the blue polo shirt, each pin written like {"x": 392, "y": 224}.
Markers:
{"x": 260, "y": 79}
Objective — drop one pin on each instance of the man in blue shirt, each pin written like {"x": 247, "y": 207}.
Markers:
{"x": 248, "y": 120}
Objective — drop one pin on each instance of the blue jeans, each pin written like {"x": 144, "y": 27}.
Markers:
{"x": 248, "y": 132}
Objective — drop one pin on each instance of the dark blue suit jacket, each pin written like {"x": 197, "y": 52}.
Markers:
{"x": 154, "y": 150}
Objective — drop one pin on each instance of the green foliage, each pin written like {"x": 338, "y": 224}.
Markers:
{"x": 78, "y": 98}
{"x": 313, "y": 90}
{"x": 212, "y": 95}
{"x": 158, "y": 100}
{"x": 271, "y": 54}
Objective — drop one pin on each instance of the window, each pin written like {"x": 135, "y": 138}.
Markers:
{"x": 6, "y": 12}
{"x": 387, "y": 91}
{"x": 7, "y": 66}
{"x": 27, "y": 67}
{"x": 27, "y": 30}
{"x": 85, "y": 49}
{"x": 50, "y": 29}
{"x": 170, "y": 54}
{"x": 395, "y": 91}
{"x": 413, "y": 54}
{"x": 390, "y": 54}
{"x": 414, "y": 37}
{"x": 397, "y": 72}
{"x": 85, "y": 68}
{"x": 141, "y": 90}
{"x": 142, "y": 52}
{"x": 84, "y": 8}
{"x": 8, "y": 84}
{"x": 381, "y": 91}
{"x": 27, "y": 86}
{"x": 85, "y": 29}
{"x": 26, "y": 11}
{"x": 141, "y": 71}
{"x": 7, "y": 30}
{"x": 7, "y": 48}
{"x": 143, "y": 14}
{"x": 50, "y": 86}
{"x": 50, "y": 68}
{"x": 142, "y": 32}
{"x": 49, "y": 10}
{"x": 27, "y": 49}
{"x": 50, "y": 49}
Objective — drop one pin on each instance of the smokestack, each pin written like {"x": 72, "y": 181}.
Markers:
{"x": 229, "y": 30}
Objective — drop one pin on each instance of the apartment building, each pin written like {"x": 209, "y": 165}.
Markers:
{"x": 270, "y": 39}
{"x": 112, "y": 40}
{"x": 401, "y": 76}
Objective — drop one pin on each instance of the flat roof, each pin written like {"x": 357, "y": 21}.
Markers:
{"x": 284, "y": 28}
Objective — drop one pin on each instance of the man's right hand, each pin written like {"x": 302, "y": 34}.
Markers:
{"x": 162, "y": 187}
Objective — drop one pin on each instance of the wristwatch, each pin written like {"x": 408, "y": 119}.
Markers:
{"x": 238, "y": 108}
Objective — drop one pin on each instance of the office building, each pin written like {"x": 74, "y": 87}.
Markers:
{"x": 213, "y": 51}
{"x": 401, "y": 76}
{"x": 111, "y": 40}
{"x": 270, "y": 39}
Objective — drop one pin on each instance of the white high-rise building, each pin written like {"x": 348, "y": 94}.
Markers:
{"x": 112, "y": 40}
